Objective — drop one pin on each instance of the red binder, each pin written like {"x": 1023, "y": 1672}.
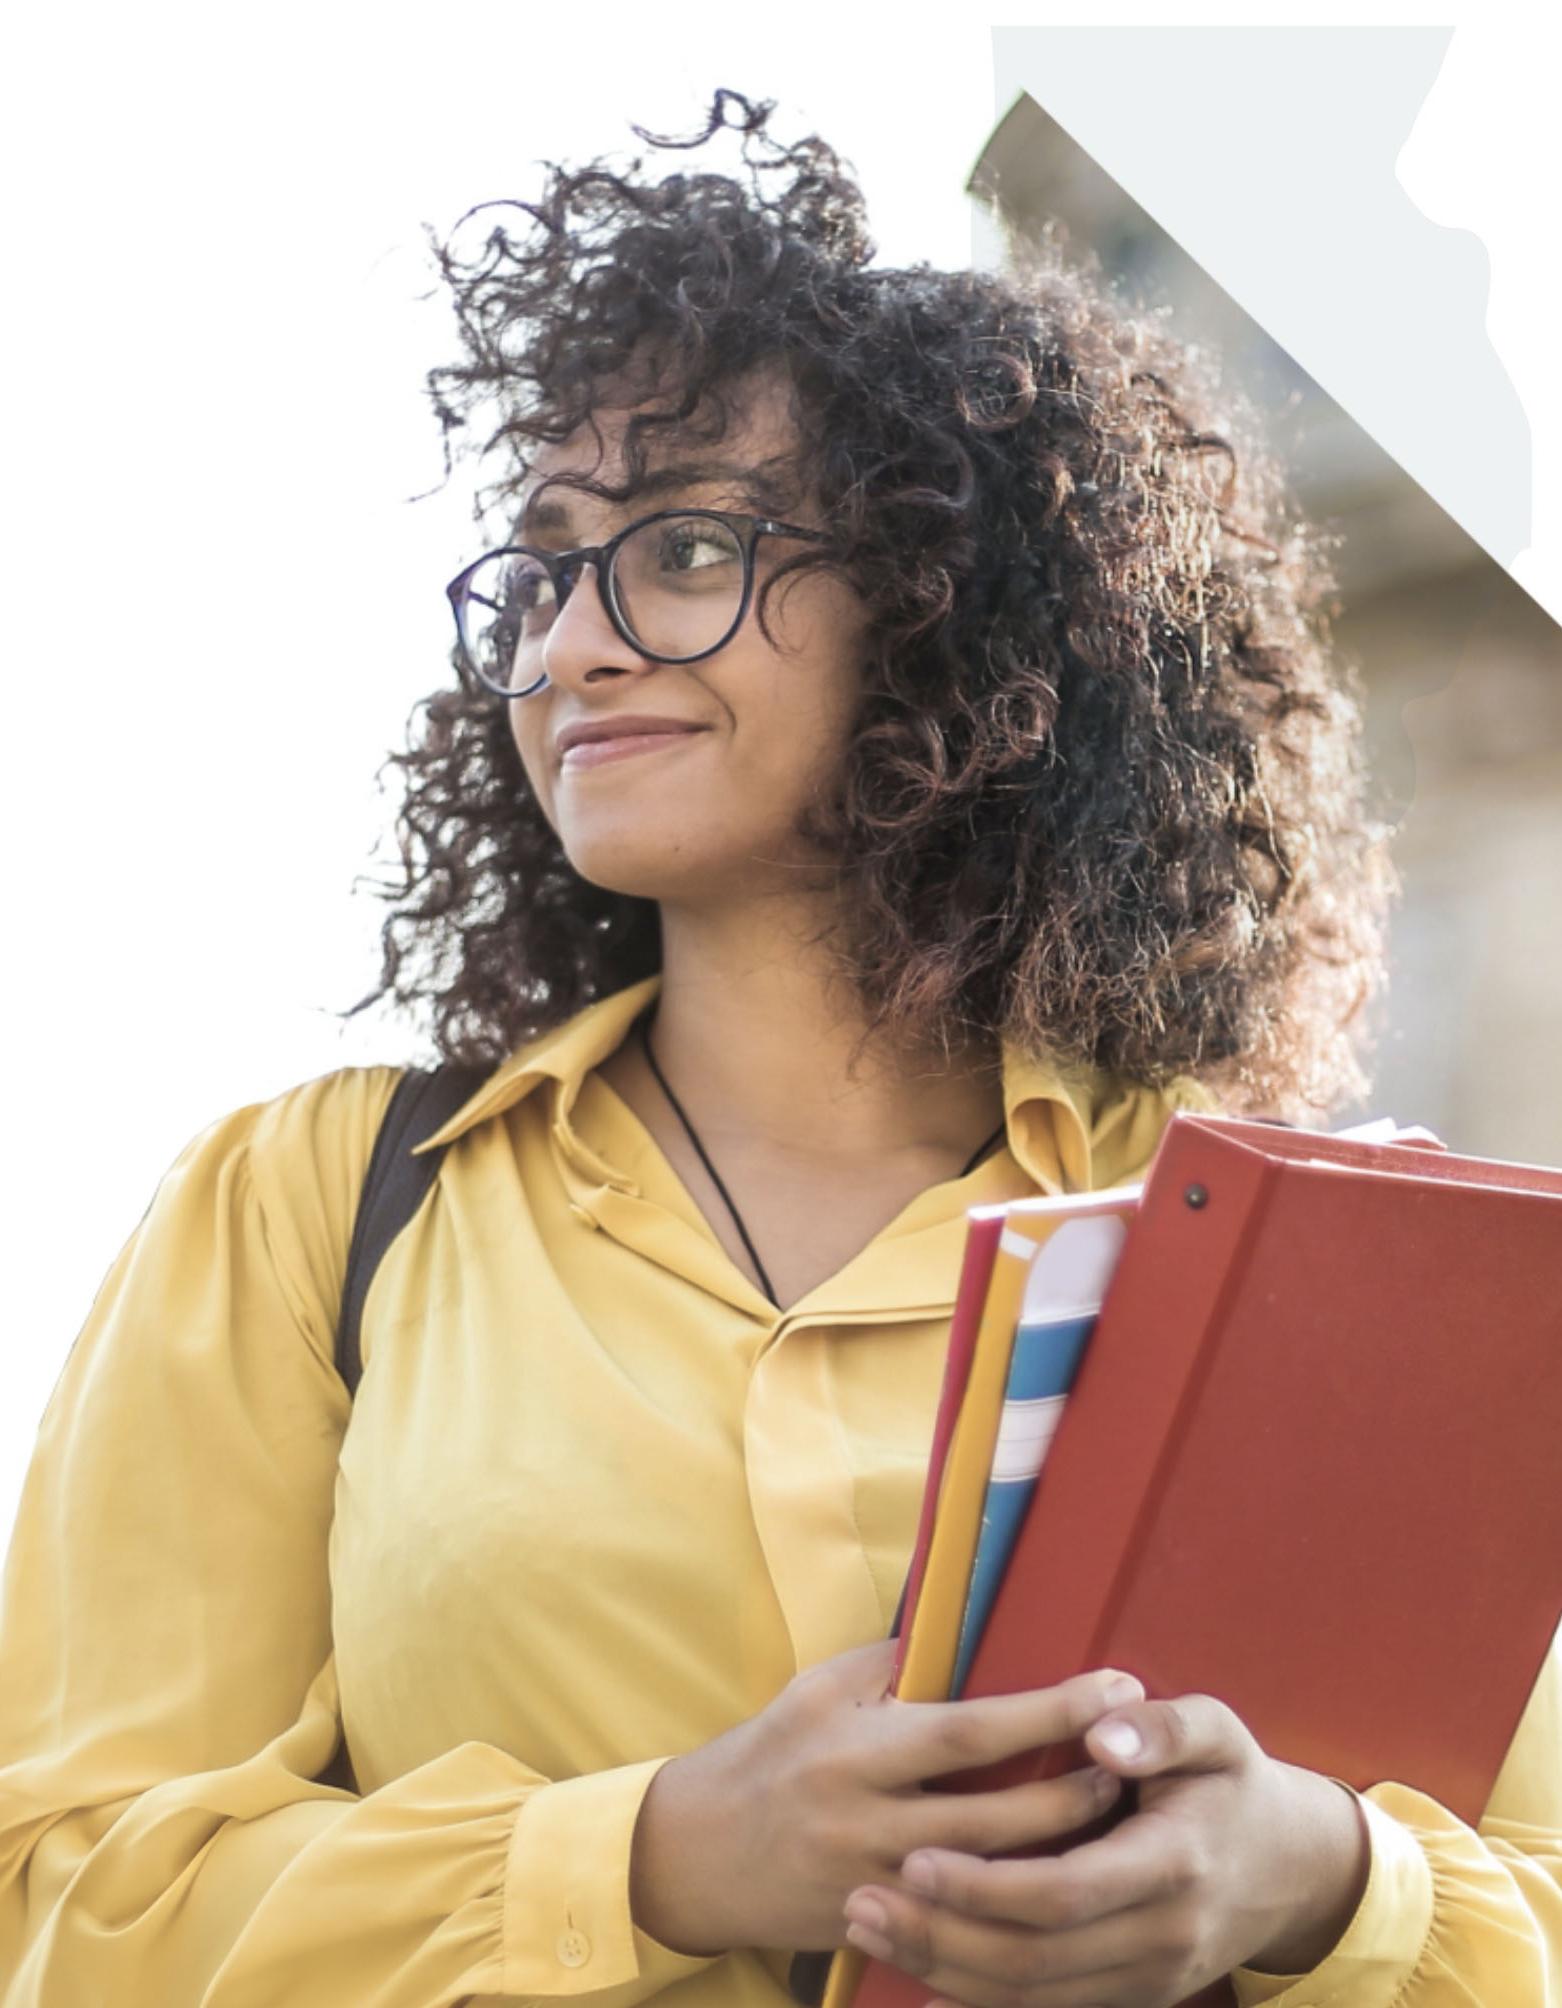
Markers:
{"x": 1310, "y": 1463}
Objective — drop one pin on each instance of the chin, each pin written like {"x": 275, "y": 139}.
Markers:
{"x": 660, "y": 865}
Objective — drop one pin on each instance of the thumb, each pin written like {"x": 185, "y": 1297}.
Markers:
{"x": 1193, "y": 1733}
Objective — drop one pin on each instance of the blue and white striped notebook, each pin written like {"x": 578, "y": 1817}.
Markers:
{"x": 1063, "y": 1294}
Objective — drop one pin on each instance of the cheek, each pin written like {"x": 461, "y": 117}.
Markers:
{"x": 802, "y": 760}
{"x": 813, "y": 679}
{"x": 529, "y": 730}
{"x": 812, "y": 728}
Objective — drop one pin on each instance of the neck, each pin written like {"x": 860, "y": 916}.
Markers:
{"x": 763, "y": 1039}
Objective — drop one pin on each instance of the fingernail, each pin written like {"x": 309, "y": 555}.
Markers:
{"x": 1121, "y": 1689}
{"x": 869, "y": 1942}
{"x": 868, "y": 1912}
{"x": 1121, "y": 1739}
{"x": 920, "y": 1871}
{"x": 1105, "y": 1784}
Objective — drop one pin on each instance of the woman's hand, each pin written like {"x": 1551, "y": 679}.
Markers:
{"x": 759, "y": 1838}
{"x": 1231, "y": 1859}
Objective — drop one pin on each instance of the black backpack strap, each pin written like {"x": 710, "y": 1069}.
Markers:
{"x": 394, "y": 1188}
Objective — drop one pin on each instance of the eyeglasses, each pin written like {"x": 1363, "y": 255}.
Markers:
{"x": 676, "y": 587}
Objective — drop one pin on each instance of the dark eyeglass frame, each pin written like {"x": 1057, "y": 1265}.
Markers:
{"x": 564, "y": 568}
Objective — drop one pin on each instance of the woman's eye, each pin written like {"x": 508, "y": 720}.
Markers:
{"x": 691, "y": 549}
{"x": 530, "y": 592}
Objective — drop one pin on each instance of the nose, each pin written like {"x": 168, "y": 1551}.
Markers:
{"x": 583, "y": 646}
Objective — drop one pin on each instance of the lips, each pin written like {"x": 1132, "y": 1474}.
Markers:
{"x": 589, "y": 744}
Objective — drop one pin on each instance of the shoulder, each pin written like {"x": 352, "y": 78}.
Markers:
{"x": 308, "y": 1152}
{"x": 276, "y": 1184}
{"x": 316, "y": 1136}
{"x": 246, "y": 1233}
{"x": 320, "y": 1134}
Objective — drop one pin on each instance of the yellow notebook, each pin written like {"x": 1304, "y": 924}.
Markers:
{"x": 934, "y": 1638}
{"x": 928, "y": 1665}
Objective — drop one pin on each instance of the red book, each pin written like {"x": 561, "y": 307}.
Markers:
{"x": 1309, "y": 1463}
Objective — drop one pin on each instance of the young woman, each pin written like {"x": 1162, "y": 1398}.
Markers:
{"x": 895, "y": 762}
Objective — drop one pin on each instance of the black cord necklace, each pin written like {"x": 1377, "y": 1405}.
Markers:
{"x": 715, "y": 1176}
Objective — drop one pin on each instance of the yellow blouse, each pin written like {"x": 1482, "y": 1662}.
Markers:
{"x": 598, "y": 1500}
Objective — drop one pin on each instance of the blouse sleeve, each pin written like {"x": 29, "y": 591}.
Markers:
{"x": 1454, "y": 1916}
{"x": 168, "y": 1695}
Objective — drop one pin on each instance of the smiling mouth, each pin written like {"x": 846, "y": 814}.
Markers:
{"x": 623, "y": 746}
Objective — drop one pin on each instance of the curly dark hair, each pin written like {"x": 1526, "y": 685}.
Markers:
{"x": 1104, "y": 797}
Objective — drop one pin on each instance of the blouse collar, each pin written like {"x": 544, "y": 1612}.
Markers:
{"x": 1060, "y": 1122}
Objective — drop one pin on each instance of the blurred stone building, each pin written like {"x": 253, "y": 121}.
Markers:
{"x": 1461, "y": 671}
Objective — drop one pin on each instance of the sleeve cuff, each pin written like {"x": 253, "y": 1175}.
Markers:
{"x": 567, "y": 1925}
{"x": 1382, "y": 1943}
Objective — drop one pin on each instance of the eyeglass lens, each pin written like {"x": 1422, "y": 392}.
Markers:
{"x": 677, "y": 585}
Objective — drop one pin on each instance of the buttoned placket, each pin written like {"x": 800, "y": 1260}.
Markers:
{"x": 805, "y": 1463}
{"x": 798, "y": 1472}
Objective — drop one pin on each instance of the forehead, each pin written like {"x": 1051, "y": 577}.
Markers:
{"x": 755, "y": 451}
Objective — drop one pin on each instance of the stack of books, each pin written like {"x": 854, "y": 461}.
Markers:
{"x": 1283, "y": 1425}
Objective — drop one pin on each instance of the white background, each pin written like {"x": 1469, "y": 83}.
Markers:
{"x": 219, "y": 606}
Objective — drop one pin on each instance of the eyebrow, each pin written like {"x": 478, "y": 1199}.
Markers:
{"x": 543, "y": 512}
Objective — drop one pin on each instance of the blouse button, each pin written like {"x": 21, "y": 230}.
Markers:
{"x": 573, "y": 1948}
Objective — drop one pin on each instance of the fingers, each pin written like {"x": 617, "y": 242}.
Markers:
{"x": 1193, "y": 1733}
{"x": 983, "y": 1823}
{"x": 977, "y": 1961}
{"x": 930, "y": 1739}
{"x": 862, "y": 1675}
{"x": 866, "y": 1670}
{"x": 1147, "y": 1860}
